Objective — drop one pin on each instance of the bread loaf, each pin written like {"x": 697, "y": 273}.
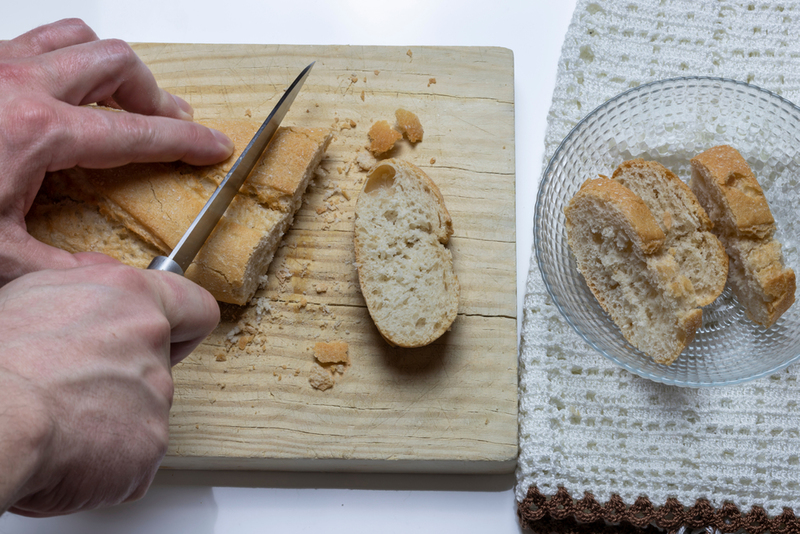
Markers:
{"x": 729, "y": 191}
{"x": 140, "y": 210}
{"x": 619, "y": 248}
{"x": 686, "y": 226}
{"x": 404, "y": 269}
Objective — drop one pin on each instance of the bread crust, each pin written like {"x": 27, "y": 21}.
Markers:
{"x": 158, "y": 201}
{"x": 638, "y": 221}
{"x": 405, "y": 271}
{"x": 637, "y": 282}
{"x": 684, "y": 222}
{"x": 730, "y": 192}
{"x": 745, "y": 209}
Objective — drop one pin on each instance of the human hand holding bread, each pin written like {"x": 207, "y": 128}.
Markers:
{"x": 87, "y": 342}
{"x": 642, "y": 242}
{"x": 48, "y": 75}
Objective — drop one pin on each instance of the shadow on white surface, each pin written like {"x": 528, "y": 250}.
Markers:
{"x": 353, "y": 481}
{"x": 207, "y": 502}
{"x": 163, "y": 509}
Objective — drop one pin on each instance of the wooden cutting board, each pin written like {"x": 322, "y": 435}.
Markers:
{"x": 243, "y": 400}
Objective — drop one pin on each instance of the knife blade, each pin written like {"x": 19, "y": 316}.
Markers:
{"x": 195, "y": 237}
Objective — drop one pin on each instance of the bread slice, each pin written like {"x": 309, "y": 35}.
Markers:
{"x": 404, "y": 269}
{"x": 619, "y": 248}
{"x": 727, "y": 188}
{"x": 685, "y": 224}
{"x": 151, "y": 206}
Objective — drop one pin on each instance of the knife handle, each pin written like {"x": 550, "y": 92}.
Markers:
{"x": 163, "y": 263}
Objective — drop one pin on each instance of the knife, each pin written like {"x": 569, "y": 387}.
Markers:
{"x": 195, "y": 237}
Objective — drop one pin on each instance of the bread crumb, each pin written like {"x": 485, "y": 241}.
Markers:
{"x": 248, "y": 113}
{"x": 320, "y": 378}
{"x": 365, "y": 160}
{"x": 353, "y": 78}
{"x": 408, "y": 123}
{"x": 409, "y": 53}
{"x": 321, "y": 288}
{"x": 303, "y": 303}
{"x": 353, "y": 123}
{"x": 321, "y": 209}
{"x": 431, "y": 81}
{"x": 433, "y": 160}
{"x": 332, "y": 352}
{"x": 362, "y": 95}
{"x": 222, "y": 357}
{"x": 382, "y": 137}
{"x": 377, "y": 72}
{"x": 244, "y": 341}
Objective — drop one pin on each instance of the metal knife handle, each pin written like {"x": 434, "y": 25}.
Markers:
{"x": 163, "y": 263}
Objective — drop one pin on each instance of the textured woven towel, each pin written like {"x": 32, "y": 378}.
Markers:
{"x": 588, "y": 426}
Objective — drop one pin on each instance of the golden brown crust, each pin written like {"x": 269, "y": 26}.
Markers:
{"x": 157, "y": 202}
{"x": 409, "y": 125}
{"x": 640, "y": 223}
{"x": 382, "y": 137}
{"x": 745, "y": 204}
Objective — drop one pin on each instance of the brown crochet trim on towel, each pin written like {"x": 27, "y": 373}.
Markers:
{"x": 564, "y": 515}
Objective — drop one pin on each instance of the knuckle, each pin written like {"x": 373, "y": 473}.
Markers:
{"x": 26, "y": 119}
{"x": 74, "y": 29}
{"x": 161, "y": 381}
{"x": 119, "y": 53}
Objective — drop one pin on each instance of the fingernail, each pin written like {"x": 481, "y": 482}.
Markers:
{"x": 223, "y": 139}
{"x": 186, "y": 110}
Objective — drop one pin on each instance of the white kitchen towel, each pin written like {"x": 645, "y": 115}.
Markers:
{"x": 589, "y": 426}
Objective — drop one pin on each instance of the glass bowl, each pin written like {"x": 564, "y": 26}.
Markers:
{"x": 671, "y": 121}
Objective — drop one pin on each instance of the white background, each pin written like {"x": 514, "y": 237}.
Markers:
{"x": 223, "y": 502}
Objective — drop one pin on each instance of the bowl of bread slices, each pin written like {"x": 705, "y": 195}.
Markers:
{"x": 667, "y": 233}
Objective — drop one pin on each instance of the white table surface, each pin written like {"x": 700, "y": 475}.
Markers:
{"x": 224, "y": 502}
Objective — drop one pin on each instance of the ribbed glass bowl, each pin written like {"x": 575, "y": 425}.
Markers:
{"x": 671, "y": 121}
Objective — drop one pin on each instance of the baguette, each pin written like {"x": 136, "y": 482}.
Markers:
{"x": 685, "y": 224}
{"x": 619, "y": 248}
{"x": 148, "y": 207}
{"x": 404, "y": 269}
{"x": 727, "y": 188}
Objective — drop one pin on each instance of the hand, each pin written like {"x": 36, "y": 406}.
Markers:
{"x": 47, "y": 76}
{"x": 85, "y": 382}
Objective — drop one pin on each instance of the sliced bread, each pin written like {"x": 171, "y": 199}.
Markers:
{"x": 148, "y": 207}
{"x": 404, "y": 268}
{"x": 729, "y": 191}
{"x": 685, "y": 224}
{"x": 619, "y": 248}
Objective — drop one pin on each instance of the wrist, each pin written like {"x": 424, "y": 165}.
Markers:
{"x": 26, "y": 431}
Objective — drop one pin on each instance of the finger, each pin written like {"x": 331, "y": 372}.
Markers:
{"x": 191, "y": 311}
{"x": 108, "y": 69}
{"x": 96, "y": 138}
{"x": 31, "y": 255}
{"x": 61, "y": 34}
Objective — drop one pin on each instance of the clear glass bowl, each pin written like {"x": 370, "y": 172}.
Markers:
{"x": 671, "y": 121}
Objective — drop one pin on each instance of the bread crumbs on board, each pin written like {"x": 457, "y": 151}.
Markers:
{"x": 320, "y": 378}
{"x": 409, "y": 125}
{"x": 382, "y": 137}
{"x": 431, "y": 81}
{"x": 332, "y": 352}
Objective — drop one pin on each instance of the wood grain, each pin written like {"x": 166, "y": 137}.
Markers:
{"x": 244, "y": 401}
